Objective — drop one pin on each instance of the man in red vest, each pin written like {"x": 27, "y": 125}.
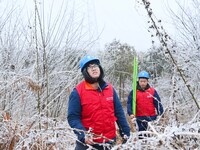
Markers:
{"x": 95, "y": 109}
{"x": 148, "y": 103}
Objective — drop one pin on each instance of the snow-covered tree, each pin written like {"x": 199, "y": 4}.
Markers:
{"x": 118, "y": 64}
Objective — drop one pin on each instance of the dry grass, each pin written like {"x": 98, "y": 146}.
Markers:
{"x": 59, "y": 136}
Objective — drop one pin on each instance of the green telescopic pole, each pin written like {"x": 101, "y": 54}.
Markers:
{"x": 135, "y": 72}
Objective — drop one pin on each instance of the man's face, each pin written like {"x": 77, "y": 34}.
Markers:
{"x": 143, "y": 83}
{"x": 93, "y": 70}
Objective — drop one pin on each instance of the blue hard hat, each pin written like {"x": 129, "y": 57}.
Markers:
{"x": 86, "y": 59}
{"x": 143, "y": 74}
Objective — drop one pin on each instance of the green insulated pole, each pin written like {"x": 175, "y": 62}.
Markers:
{"x": 135, "y": 72}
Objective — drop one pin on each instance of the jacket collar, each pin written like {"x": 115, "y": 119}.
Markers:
{"x": 88, "y": 86}
{"x": 143, "y": 90}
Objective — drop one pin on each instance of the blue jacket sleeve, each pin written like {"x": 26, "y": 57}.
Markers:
{"x": 129, "y": 103}
{"x": 74, "y": 115}
{"x": 121, "y": 119}
{"x": 157, "y": 103}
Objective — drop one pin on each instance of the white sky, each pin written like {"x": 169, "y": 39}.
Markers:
{"x": 126, "y": 20}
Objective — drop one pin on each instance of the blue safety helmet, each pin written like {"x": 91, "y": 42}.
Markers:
{"x": 143, "y": 74}
{"x": 86, "y": 59}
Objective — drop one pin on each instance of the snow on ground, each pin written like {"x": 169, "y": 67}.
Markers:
{"x": 56, "y": 135}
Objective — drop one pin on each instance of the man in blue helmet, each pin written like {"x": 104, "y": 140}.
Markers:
{"x": 148, "y": 103}
{"x": 94, "y": 108}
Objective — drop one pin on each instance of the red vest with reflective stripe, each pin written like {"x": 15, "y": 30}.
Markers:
{"x": 97, "y": 110}
{"x": 145, "y": 105}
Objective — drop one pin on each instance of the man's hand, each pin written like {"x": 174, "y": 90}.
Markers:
{"x": 89, "y": 140}
{"x": 89, "y": 137}
{"x": 132, "y": 116}
{"x": 124, "y": 139}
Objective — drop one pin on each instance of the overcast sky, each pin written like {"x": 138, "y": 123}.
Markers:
{"x": 126, "y": 20}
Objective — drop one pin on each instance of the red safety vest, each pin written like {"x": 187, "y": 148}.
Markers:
{"x": 97, "y": 111}
{"x": 144, "y": 103}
